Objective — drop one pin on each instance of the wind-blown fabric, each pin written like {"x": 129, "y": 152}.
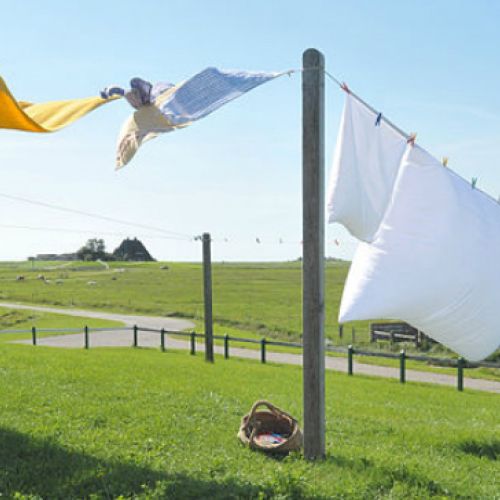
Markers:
{"x": 434, "y": 261}
{"x": 43, "y": 117}
{"x": 164, "y": 107}
{"x": 365, "y": 166}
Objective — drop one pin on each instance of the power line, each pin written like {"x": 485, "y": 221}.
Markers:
{"x": 95, "y": 216}
{"x": 85, "y": 231}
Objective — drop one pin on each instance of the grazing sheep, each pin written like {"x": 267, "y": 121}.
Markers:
{"x": 20, "y": 278}
{"x": 59, "y": 282}
{"x": 40, "y": 277}
{"x": 91, "y": 283}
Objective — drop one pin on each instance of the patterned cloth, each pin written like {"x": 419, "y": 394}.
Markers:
{"x": 165, "y": 107}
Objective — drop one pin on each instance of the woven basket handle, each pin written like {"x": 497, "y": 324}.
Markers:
{"x": 263, "y": 402}
{"x": 271, "y": 407}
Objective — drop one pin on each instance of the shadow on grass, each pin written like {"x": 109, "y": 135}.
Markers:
{"x": 42, "y": 468}
{"x": 488, "y": 449}
{"x": 385, "y": 478}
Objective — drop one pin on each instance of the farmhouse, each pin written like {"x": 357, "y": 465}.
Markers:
{"x": 132, "y": 249}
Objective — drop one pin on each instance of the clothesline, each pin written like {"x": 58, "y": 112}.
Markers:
{"x": 345, "y": 88}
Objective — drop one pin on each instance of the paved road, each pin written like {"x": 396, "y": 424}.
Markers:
{"x": 114, "y": 338}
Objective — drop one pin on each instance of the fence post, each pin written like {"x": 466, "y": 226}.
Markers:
{"x": 263, "y": 351}
{"x": 135, "y": 336}
{"x": 341, "y": 331}
{"x": 207, "y": 298}
{"x": 162, "y": 339}
{"x": 33, "y": 334}
{"x": 350, "y": 352}
{"x": 226, "y": 346}
{"x": 86, "y": 335}
{"x": 402, "y": 366}
{"x": 193, "y": 343}
{"x": 460, "y": 374}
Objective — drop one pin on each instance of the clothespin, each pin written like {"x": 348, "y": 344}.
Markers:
{"x": 197, "y": 238}
{"x": 257, "y": 240}
{"x": 474, "y": 182}
{"x": 337, "y": 242}
{"x": 379, "y": 118}
{"x": 411, "y": 139}
{"x": 445, "y": 161}
{"x": 281, "y": 241}
{"x": 345, "y": 87}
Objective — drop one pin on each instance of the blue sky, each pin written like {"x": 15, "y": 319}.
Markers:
{"x": 432, "y": 67}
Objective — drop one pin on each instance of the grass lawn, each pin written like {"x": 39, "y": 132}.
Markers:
{"x": 144, "y": 424}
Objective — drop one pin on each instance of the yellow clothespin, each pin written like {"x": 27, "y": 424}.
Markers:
{"x": 445, "y": 161}
{"x": 412, "y": 138}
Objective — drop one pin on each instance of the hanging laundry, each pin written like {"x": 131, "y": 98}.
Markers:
{"x": 46, "y": 116}
{"x": 365, "y": 165}
{"x": 434, "y": 260}
{"x": 166, "y": 107}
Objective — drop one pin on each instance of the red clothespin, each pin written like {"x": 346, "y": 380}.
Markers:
{"x": 345, "y": 87}
{"x": 412, "y": 138}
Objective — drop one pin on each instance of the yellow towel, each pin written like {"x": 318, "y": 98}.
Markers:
{"x": 46, "y": 116}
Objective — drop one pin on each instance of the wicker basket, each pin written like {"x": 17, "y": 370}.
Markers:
{"x": 270, "y": 421}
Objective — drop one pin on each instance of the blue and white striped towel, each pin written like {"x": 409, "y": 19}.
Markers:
{"x": 178, "y": 106}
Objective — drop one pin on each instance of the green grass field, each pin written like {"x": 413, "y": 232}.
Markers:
{"x": 136, "y": 423}
{"x": 263, "y": 298}
{"x": 250, "y": 299}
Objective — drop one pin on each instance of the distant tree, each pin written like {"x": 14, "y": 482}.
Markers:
{"x": 94, "y": 249}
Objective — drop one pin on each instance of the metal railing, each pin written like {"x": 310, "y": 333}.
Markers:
{"x": 460, "y": 364}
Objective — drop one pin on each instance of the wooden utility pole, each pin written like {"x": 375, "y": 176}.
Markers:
{"x": 313, "y": 206}
{"x": 207, "y": 293}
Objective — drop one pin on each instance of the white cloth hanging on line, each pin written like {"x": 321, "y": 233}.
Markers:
{"x": 365, "y": 165}
{"x": 434, "y": 261}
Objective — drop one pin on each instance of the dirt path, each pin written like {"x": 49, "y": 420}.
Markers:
{"x": 114, "y": 338}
